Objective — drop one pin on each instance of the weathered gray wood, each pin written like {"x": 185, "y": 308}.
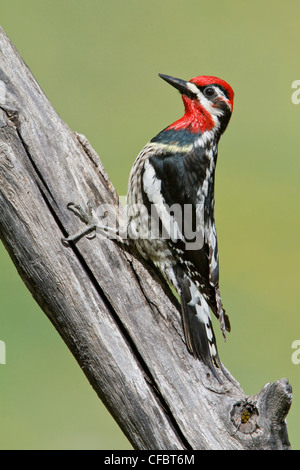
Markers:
{"x": 121, "y": 325}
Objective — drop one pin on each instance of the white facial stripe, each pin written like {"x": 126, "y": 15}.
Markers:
{"x": 223, "y": 96}
{"x": 194, "y": 89}
{"x": 206, "y": 103}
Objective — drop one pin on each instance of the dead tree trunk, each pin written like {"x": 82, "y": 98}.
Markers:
{"x": 121, "y": 324}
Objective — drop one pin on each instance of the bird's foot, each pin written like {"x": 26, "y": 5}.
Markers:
{"x": 91, "y": 226}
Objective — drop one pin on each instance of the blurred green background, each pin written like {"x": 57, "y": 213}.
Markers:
{"x": 97, "y": 61}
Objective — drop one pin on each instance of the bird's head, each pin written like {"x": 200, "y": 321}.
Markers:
{"x": 208, "y": 103}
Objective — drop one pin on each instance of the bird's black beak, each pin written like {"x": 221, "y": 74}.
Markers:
{"x": 181, "y": 85}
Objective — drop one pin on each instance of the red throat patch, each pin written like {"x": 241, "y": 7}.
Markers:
{"x": 196, "y": 119}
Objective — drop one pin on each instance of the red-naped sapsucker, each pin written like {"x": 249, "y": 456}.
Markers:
{"x": 171, "y": 208}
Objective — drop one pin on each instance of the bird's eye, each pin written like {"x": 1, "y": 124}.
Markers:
{"x": 209, "y": 92}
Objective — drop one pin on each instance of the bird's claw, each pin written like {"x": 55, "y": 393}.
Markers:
{"x": 86, "y": 217}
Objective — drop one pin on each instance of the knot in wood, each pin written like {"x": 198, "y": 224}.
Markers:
{"x": 244, "y": 416}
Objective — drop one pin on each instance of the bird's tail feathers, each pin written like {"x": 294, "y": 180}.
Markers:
{"x": 197, "y": 326}
{"x": 220, "y": 313}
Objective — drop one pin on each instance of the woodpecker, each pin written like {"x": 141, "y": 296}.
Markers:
{"x": 170, "y": 203}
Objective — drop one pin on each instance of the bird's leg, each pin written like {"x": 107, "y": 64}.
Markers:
{"x": 91, "y": 225}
